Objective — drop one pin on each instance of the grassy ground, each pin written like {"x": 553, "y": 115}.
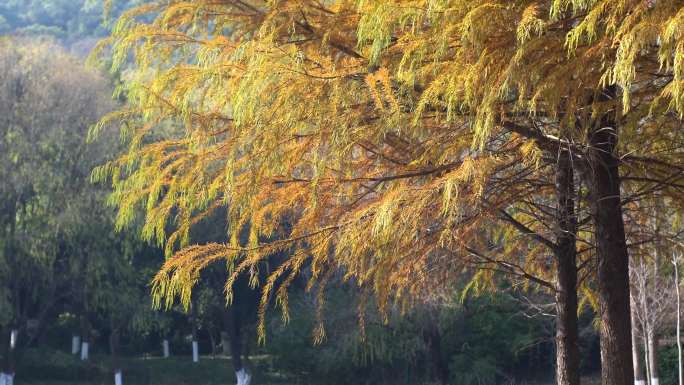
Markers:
{"x": 64, "y": 369}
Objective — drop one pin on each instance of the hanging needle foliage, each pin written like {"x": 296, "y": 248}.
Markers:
{"x": 386, "y": 136}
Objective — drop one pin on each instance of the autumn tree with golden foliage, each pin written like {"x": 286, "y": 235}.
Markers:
{"x": 394, "y": 137}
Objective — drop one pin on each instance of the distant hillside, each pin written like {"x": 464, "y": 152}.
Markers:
{"x": 69, "y": 21}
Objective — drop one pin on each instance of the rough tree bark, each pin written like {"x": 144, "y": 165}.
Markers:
{"x": 611, "y": 249}
{"x": 567, "y": 348}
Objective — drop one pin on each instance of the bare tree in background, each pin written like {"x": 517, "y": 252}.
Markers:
{"x": 654, "y": 299}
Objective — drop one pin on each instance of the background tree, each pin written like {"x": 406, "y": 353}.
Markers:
{"x": 44, "y": 172}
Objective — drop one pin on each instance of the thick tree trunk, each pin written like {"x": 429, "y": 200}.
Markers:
{"x": 611, "y": 249}
{"x": 567, "y": 347}
{"x": 233, "y": 325}
{"x": 233, "y": 329}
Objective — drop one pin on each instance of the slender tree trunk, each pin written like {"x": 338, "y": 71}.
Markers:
{"x": 675, "y": 262}
{"x": 647, "y": 359}
{"x": 85, "y": 338}
{"x": 114, "y": 343}
{"x": 212, "y": 340}
{"x": 611, "y": 248}
{"x": 194, "y": 325}
{"x": 225, "y": 342}
{"x": 4, "y": 350}
{"x": 75, "y": 344}
{"x": 653, "y": 358}
{"x": 9, "y": 342}
{"x": 636, "y": 360}
{"x": 166, "y": 349}
{"x": 195, "y": 344}
{"x": 567, "y": 347}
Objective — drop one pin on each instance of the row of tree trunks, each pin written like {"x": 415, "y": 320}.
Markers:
{"x": 600, "y": 166}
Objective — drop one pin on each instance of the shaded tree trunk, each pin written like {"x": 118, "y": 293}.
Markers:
{"x": 433, "y": 339}
{"x": 9, "y": 355}
{"x": 212, "y": 339}
{"x": 225, "y": 342}
{"x": 234, "y": 324}
{"x": 675, "y": 262}
{"x": 114, "y": 344}
{"x": 611, "y": 249}
{"x": 166, "y": 349}
{"x": 85, "y": 337}
{"x": 567, "y": 347}
{"x": 195, "y": 344}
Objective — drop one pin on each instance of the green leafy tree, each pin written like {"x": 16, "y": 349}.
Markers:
{"x": 45, "y": 189}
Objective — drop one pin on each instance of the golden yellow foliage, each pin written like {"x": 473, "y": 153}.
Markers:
{"x": 387, "y": 136}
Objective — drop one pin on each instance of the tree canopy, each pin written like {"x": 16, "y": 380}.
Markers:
{"x": 398, "y": 141}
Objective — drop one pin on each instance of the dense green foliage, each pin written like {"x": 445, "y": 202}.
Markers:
{"x": 485, "y": 340}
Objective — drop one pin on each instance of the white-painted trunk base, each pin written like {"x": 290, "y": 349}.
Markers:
{"x": 165, "y": 346}
{"x": 639, "y": 382}
{"x": 75, "y": 344}
{"x": 195, "y": 352}
{"x": 14, "y": 334}
{"x": 243, "y": 378}
{"x": 118, "y": 379}
{"x": 84, "y": 351}
{"x": 6, "y": 379}
{"x": 655, "y": 381}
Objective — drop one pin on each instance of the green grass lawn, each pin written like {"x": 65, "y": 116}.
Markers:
{"x": 58, "y": 368}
